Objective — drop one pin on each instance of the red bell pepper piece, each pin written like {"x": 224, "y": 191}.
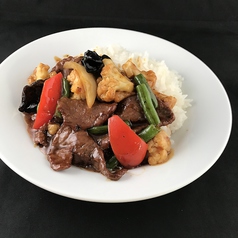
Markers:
{"x": 128, "y": 147}
{"x": 50, "y": 94}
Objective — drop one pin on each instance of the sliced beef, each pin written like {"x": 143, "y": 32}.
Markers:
{"x": 78, "y": 148}
{"x": 40, "y": 136}
{"x": 130, "y": 109}
{"x": 103, "y": 141}
{"x": 76, "y": 113}
{"x": 165, "y": 113}
{"x": 60, "y": 151}
{"x": 137, "y": 128}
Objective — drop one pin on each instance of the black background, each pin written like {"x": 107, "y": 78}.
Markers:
{"x": 206, "y": 208}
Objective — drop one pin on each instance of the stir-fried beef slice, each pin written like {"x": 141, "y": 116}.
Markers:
{"x": 116, "y": 175}
{"x": 89, "y": 155}
{"x": 78, "y": 148}
{"x": 86, "y": 152}
{"x": 103, "y": 141}
{"x": 137, "y": 128}
{"x": 60, "y": 151}
{"x": 130, "y": 109}
{"x": 76, "y": 113}
{"x": 40, "y": 136}
{"x": 165, "y": 113}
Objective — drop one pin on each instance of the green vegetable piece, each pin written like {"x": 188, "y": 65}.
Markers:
{"x": 65, "y": 88}
{"x": 57, "y": 113}
{"x": 149, "y": 132}
{"x": 65, "y": 93}
{"x": 100, "y": 130}
{"x": 112, "y": 163}
{"x": 147, "y": 105}
{"x": 128, "y": 123}
{"x": 140, "y": 79}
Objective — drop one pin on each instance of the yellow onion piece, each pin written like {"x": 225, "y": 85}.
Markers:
{"x": 87, "y": 79}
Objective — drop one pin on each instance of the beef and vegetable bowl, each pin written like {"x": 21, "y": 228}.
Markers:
{"x": 106, "y": 110}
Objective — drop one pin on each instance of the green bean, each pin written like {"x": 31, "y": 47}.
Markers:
{"x": 100, "y": 130}
{"x": 128, "y": 123}
{"x": 140, "y": 79}
{"x": 65, "y": 93}
{"x": 147, "y": 105}
{"x": 149, "y": 132}
{"x": 57, "y": 113}
{"x": 65, "y": 88}
{"x": 112, "y": 163}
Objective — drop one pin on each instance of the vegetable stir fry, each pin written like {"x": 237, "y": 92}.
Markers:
{"x": 89, "y": 112}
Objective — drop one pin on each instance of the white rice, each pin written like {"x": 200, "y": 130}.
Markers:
{"x": 168, "y": 81}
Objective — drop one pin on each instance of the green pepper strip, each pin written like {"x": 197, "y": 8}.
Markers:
{"x": 97, "y": 130}
{"x": 57, "y": 113}
{"x": 149, "y": 132}
{"x": 100, "y": 130}
{"x": 147, "y": 105}
{"x": 140, "y": 79}
{"x": 66, "y": 88}
{"x": 65, "y": 93}
{"x": 112, "y": 163}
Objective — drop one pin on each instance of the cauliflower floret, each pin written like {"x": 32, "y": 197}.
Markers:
{"x": 40, "y": 72}
{"x": 131, "y": 70}
{"x": 77, "y": 87}
{"x": 113, "y": 86}
{"x": 170, "y": 101}
{"x": 159, "y": 148}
